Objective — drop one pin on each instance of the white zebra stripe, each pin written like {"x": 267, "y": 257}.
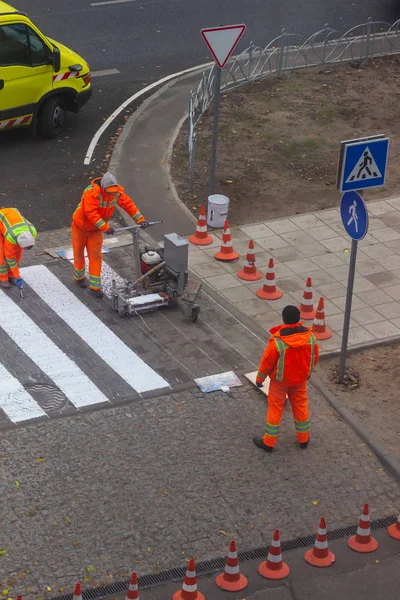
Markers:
{"x": 15, "y": 401}
{"x": 274, "y": 559}
{"x": 67, "y": 376}
{"x": 92, "y": 330}
{"x": 231, "y": 570}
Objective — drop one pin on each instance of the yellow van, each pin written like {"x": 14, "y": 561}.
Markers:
{"x": 40, "y": 79}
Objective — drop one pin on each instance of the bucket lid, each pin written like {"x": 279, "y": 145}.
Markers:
{"x": 218, "y": 199}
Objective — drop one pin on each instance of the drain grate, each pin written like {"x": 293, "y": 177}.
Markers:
{"x": 50, "y": 397}
{"x": 217, "y": 564}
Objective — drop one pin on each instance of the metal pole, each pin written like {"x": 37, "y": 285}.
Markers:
{"x": 347, "y": 310}
{"x": 217, "y": 94}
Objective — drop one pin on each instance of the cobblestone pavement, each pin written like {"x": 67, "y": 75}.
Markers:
{"x": 145, "y": 486}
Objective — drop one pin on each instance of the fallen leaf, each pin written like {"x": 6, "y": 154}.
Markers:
{"x": 3, "y": 552}
{"x": 86, "y": 579}
{"x": 346, "y": 250}
{"x": 67, "y": 521}
{"x": 315, "y": 502}
{"x": 229, "y": 181}
{"x": 165, "y": 492}
{"x": 40, "y": 460}
{"x": 90, "y": 569}
{"x": 369, "y": 453}
{"x": 48, "y": 588}
{"x": 377, "y": 561}
{"x": 5, "y": 592}
{"x": 17, "y": 483}
{"x": 381, "y": 469}
{"x": 149, "y": 549}
{"x": 222, "y": 532}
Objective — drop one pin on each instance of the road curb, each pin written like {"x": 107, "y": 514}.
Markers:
{"x": 388, "y": 461}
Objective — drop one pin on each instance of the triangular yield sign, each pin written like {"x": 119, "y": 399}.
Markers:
{"x": 221, "y": 41}
{"x": 365, "y": 168}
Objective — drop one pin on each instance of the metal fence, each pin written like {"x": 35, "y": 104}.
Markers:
{"x": 291, "y": 51}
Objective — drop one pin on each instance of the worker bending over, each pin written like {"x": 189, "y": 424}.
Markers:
{"x": 16, "y": 235}
{"x": 289, "y": 359}
{"x": 89, "y": 221}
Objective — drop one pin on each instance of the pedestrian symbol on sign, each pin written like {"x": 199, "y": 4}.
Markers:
{"x": 354, "y": 216}
{"x": 365, "y": 168}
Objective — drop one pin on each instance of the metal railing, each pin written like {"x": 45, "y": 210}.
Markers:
{"x": 291, "y": 51}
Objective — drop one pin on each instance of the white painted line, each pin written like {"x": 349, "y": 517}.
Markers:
{"x": 105, "y": 72}
{"x": 111, "y": 2}
{"x": 15, "y": 400}
{"x": 116, "y": 112}
{"x": 67, "y": 376}
{"x": 92, "y": 330}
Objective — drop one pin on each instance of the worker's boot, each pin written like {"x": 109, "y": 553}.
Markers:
{"x": 12, "y": 280}
{"x": 81, "y": 282}
{"x": 259, "y": 442}
{"x": 5, "y": 285}
{"x": 96, "y": 293}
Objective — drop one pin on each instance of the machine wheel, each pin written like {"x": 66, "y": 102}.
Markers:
{"x": 194, "y": 315}
{"x": 52, "y": 117}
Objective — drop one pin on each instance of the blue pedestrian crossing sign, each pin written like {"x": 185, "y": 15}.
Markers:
{"x": 363, "y": 163}
{"x": 354, "y": 215}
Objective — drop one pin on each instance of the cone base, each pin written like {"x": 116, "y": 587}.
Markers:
{"x": 200, "y": 241}
{"x": 394, "y": 532}
{"x": 357, "y": 547}
{"x": 268, "y": 573}
{"x": 179, "y": 595}
{"x": 269, "y": 295}
{"x": 231, "y": 257}
{"x": 231, "y": 586}
{"x": 319, "y": 562}
{"x": 249, "y": 276}
{"x": 324, "y": 335}
{"x": 307, "y": 316}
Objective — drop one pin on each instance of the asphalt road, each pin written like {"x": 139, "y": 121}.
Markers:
{"x": 144, "y": 40}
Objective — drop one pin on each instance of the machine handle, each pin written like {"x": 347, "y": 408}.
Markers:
{"x": 133, "y": 227}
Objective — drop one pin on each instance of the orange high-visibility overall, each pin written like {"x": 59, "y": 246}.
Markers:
{"x": 12, "y": 223}
{"x": 89, "y": 221}
{"x": 289, "y": 359}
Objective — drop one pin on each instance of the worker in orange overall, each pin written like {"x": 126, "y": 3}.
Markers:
{"x": 289, "y": 359}
{"x": 16, "y": 235}
{"x": 90, "y": 219}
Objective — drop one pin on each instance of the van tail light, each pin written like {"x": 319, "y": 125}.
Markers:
{"x": 87, "y": 78}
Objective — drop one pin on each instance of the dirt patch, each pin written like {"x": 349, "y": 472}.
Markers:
{"x": 372, "y": 392}
{"x": 279, "y": 139}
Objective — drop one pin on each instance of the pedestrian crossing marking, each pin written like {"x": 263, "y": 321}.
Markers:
{"x": 15, "y": 401}
{"x": 365, "y": 168}
{"x": 63, "y": 371}
{"x": 104, "y": 342}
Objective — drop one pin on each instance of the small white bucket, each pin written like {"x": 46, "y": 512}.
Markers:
{"x": 218, "y": 206}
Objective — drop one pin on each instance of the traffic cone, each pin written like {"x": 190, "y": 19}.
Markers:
{"x": 200, "y": 236}
{"x": 320, "y": 555}
{"x": 319, "y": 328}
{"x": 78, "y": 592}
{"x": 189, "y": 589}
{"x": 133, "y": 590}
{"x": 307, "y": 311}
{"x": 249, "y": 271}
{"x": 231, "y": 579}
{"x": 274, "y": 567}
{"x": 394, "y": 530}
{"x": 227, "y": 252}
{"x": 363, "y": 540}
{"x": 269, "y": 291}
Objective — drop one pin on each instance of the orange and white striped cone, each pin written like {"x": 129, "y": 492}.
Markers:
{"x": 200, "y": 236}
{"x": 189, "y": 589}
{"x": 320, "y": 555}
{"x": 226, "y": 252}
{"x": 133, "y": 590}
{"x": 231, "y": 579}
{"x": 274, "y": 567}
{"x": 319, "y": 328}
{"x": 249, "y": 271}
{"x": 78, "y": 592}
{"x": 394, "y": 530}
{"x": 269, "y": 291}
{"x": 363, "y": 540}
{"x": 307, "y": 311}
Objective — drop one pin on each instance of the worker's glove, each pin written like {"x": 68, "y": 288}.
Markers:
{"x": 144, "y": 224}
{"x": 19, "y": 283}
{"x": 110, "y": 231}
{"x": 259, "y": 384}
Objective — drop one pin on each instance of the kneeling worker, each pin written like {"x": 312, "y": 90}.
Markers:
{"x": 16, "y": 235}
{"x": 91, "y": 219}
{"x": 289, "y": 359}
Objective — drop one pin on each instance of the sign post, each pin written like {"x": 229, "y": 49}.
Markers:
{"x": 221, "y": 41}
{"x": 362, "y": 164}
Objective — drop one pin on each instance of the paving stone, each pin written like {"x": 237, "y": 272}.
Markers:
{"x": 335, "y": 322}
{"x": 368, "y": 240}
{"x": 378, "y": 251}
{"x": 336, "y": 244}
{"x": 383, "y": 279}
{"x": 237, "y": 235}
{"x": 334, "y": 343}
{"x": 283, "y": 226}
{"x": 391, "y": 219}
{"x": 383, "y": 329}
{"x": 391, "y": 263}
{"x": 394, "y": 245}
{"x": 367, "y": 267}
{"x": 291, "y": 284}
{"x": 254, "y": 307}
{"x": 272, "y": 242}
{"x": 198, "y": 258}
{"x": 331, "y": 309}
{"x": 328, "y": 260}
{"x": 319, "y": 277}
{"x": 360, "y": 335}
{"x": 365, "y": 316}
{"x": 300, "y": 266}
{"x": 379, "y": 207}
{"x": 312, "y": 249}
{"x": 287, "y": 253}
{"x": 238, "y": 294}
{"x": 393, "y": 291}
{"x": 394, "y": 202}
{"x": 329, "y": 216}
{"x": 242, "y": 247}
{"x": 355, "y": 303}
{"x": 375, "y": 223}
{"x": 257, "y": 231}
{"x": 208, "y": 269}
{"x": 307, "y": 221}
{"x": 345, "y": 255}
{"x": 339, "y": 273}
{"x": 268, "y": 320}
{"x": 385, "y": 234}
{"x": 295, "y": 238}
{"x": 331, "y": 290}
{"x": 321, "y": 233}
{"x": 374, "y": 297}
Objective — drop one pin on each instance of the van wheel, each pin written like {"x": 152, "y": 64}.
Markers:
{"x": 52, "y": 117}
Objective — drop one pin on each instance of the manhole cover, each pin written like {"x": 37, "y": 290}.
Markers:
{"x": 51, "y": 399}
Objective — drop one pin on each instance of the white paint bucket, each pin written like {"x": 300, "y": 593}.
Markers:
{"x": 218, "y": 206}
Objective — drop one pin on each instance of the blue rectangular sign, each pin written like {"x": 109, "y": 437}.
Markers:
{"x": 364, "y": 164}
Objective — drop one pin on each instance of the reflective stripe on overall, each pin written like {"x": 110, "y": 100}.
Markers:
{"x": 282, "y": 346}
